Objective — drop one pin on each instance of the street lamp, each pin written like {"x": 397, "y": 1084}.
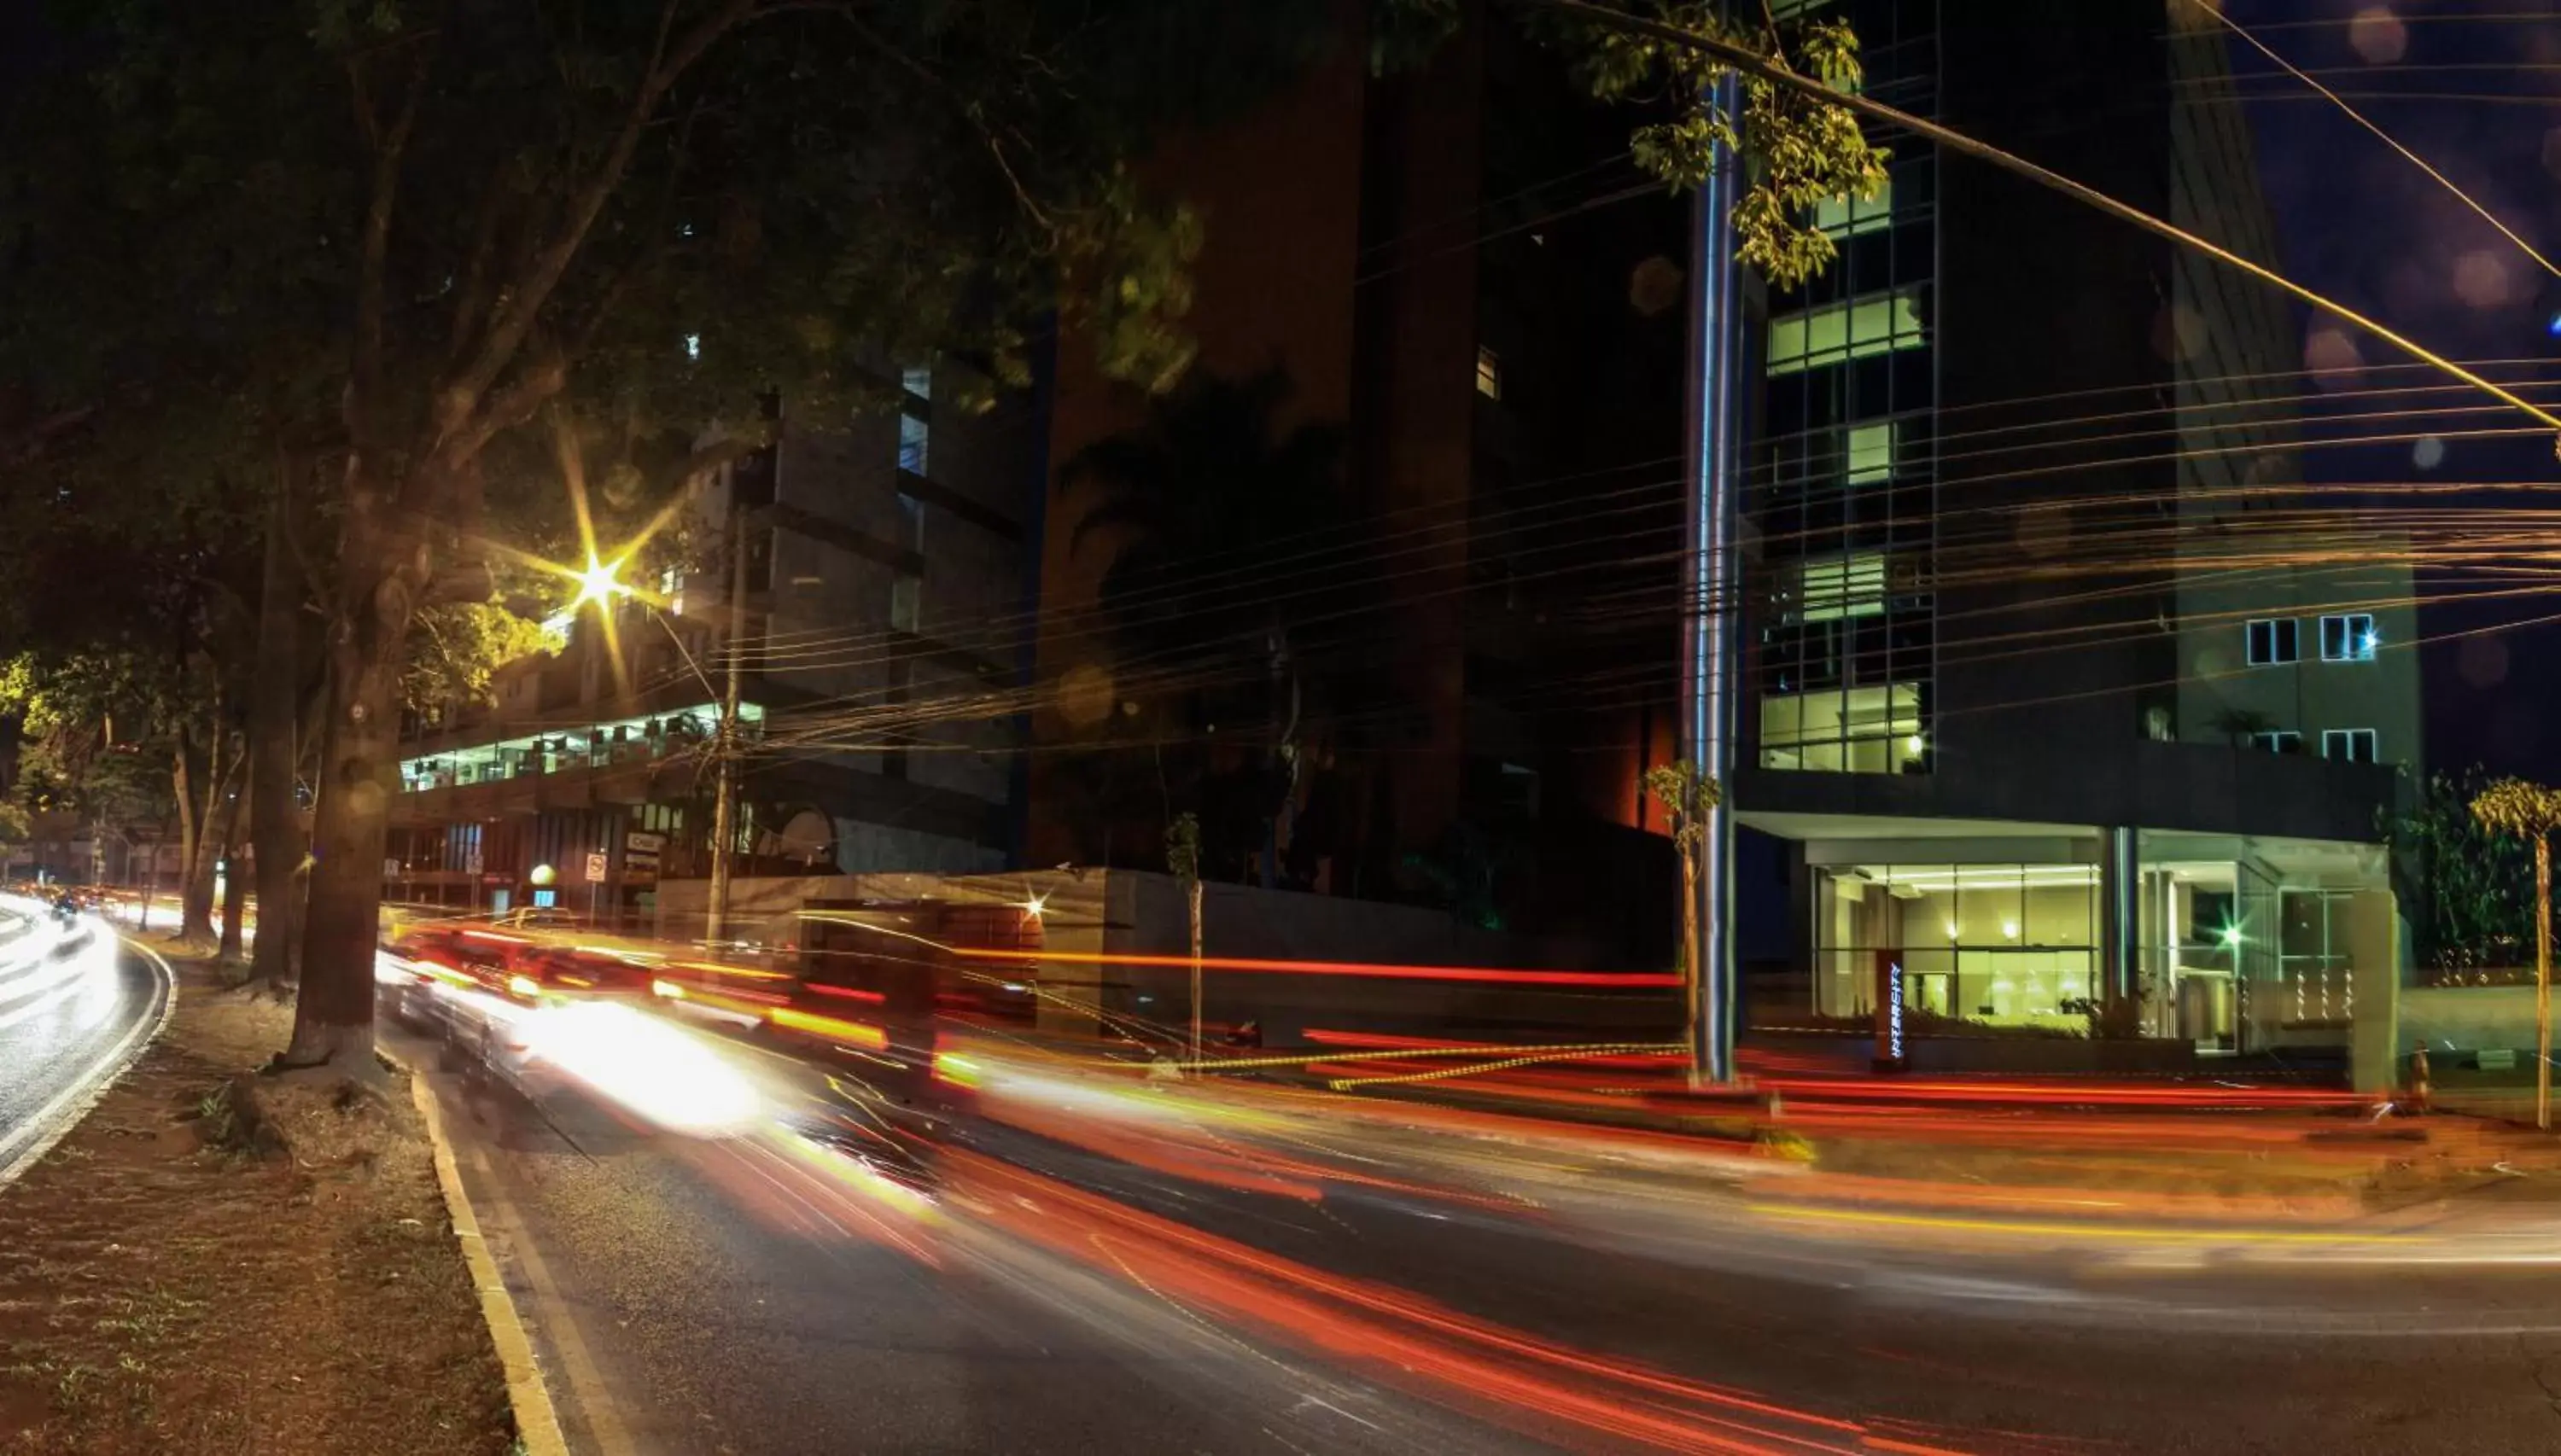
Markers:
{"x": 600, "y": 582}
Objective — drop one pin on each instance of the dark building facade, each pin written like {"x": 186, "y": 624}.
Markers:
{"x": 882, "y": 634}
{"x": 1457, "y": 266}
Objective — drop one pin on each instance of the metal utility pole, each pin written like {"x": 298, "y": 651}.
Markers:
{"x": 725, "y": 803}
{"x": 1710, "y": 647}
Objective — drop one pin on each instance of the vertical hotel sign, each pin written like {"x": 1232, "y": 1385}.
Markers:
{"x": 1889, "y": 1011}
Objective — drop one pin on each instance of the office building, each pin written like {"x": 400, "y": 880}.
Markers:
{"x": 2058, "y": 688}
{"x": 883, "y": 651}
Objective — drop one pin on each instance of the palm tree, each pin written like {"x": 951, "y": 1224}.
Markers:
{"x": 2530, "y": 811}
{"x": 1223, "y": 558}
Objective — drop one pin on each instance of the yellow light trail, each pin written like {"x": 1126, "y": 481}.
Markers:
{"x": 2067, "y": 1230}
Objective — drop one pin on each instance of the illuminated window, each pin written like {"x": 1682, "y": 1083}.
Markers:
{"x": 2348, "y": 638}
{"x": 912, "y": 433}
{"x": 2278, "y": 740}
{"x": 2003, "y": 943}
{"x": 2273, "y": 641}
{"x": 1490, "y": 373}
{"x": 1845, "y": 730}
{"x": 1837, "y": 587}
{"x": 1858, "y": 328}
{"x": 1848, "y": 217}
{"x": 2357, "y": 745}
{"x": 1870, "y": 452}
{"x": 917, "y": 380}
{"x": 906, "y": 600}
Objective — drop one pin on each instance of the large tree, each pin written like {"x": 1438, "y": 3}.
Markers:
{"x": 445, "y": 220}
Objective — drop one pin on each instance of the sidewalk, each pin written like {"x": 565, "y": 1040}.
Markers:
{"x": 199, "y": 1269}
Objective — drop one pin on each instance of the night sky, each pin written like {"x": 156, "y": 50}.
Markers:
{"x": 2475, "y": 87}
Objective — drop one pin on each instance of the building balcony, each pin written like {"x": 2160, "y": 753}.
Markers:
{"x": 561, "y": 767}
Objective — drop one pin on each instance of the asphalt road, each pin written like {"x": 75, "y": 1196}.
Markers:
{"x": 74, "y": 1007}
{"x": 1239, "y": 1285}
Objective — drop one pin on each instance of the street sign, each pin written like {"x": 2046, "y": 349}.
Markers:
{"x": 2497, "y": 1058}
{"x": 595, "y": 867}
{"x": 640, "y": 856}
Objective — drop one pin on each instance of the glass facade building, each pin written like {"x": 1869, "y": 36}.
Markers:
{"x": 2019, "y": 764}
{"x": 1842, "y": 483}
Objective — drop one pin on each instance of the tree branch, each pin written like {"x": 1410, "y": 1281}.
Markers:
{"x": 389, "y": 152}
{"x": 458, "y": 433}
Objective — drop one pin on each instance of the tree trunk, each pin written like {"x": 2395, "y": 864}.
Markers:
{"x": 333, "y": 1011}
{"x": 1693, "y": 965}
{"x": 194, "y": 780}
{"x": 235, "y": 883}
{"x": 1192, "y": 900}
{"x": 275, "y": 714}
{"x": 2543, "y": 980}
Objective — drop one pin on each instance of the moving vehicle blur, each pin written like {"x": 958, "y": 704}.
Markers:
{"x": 515, "y": 1002}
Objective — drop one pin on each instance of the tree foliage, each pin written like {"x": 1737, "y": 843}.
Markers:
{"x": 2473, "y": 881}
{"x": 1798, "y": 149}
{"x": 389, "y": 236}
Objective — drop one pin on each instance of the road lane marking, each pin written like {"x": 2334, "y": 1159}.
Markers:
{"x": 537, "y": 1417}
{"x": 94, "y": 1083}
{"x": 538, "y": 1429}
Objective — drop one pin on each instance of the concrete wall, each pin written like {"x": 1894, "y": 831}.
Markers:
{"x": 2452, "y": 1019}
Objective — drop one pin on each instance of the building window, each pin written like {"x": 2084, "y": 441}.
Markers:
{"x": 912, "y": 435}
{"x": 1490, "y": 373}
{"x": 911, "y": 523}
{"x": 2010, "y": 944}
{"x": 1856, "y": 328}
{"x": 2357, "y": 745}
{"x": 1833, "y": 589}
{"x": 1848, "y": 217}
{"x": 2348, "y": 638}
{"x": 2313, "y": 967}
{"x": 2273, "y": 641}
{"x": 1869, "y": 449}
{"x": 917, "y": 380}
{"x": 1845, "y": 730}
{"x": 906, "y": 600}
{"x": 2279, "y": 740}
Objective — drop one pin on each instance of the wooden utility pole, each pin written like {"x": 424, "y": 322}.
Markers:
{"x": 725, "y": 802}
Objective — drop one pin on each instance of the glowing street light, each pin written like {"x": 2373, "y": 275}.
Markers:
{"x": 2231, "y": 938}
{"x": 600, "y": 581}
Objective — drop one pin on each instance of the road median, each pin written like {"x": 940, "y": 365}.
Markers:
{"x": 214, "y": 1261}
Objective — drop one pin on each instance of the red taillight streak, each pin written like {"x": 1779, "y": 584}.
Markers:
{"x": 1159, "y": 1232}
{"x": 1486, "y": 975}
{"x": 848, "y": 993}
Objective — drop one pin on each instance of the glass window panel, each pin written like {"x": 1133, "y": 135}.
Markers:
{"x": 1870, "y": 452}
{"x": 2059, "y": 914}
{"x": 1841, "y": 586}
{"x": 1856, "y": 328}
{"x": 1848, "y": 217}
{"x": 914, "y": 435}
{"x": 1988, "y": 905}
